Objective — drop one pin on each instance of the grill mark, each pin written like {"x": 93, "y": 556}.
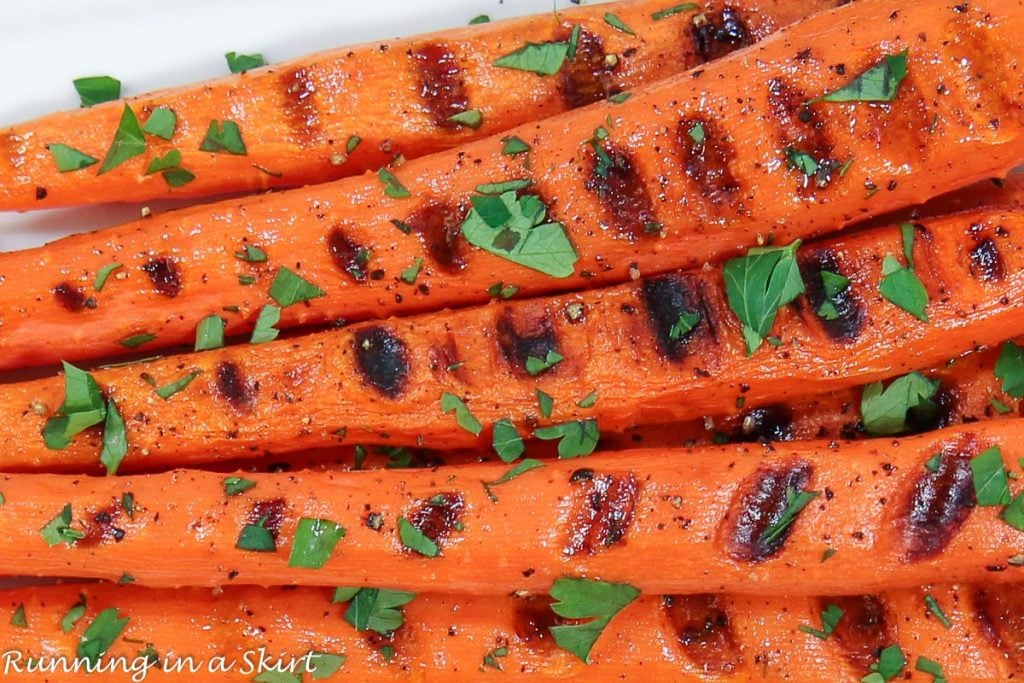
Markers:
{"x": 801, "y": 127}
{"x": 665, "y": 299}
{"x": 437, "y": 517}
{"x": 757, "y": 506}
{"x": 940, "y": 504}
{"x": 438, "y": 226}
{"x": 707, "y": 162}
{"x": 300, "y": 105}
{"x": 702, "y": 629}
{"x": 986, "y": 261}
{"x": 604, "y": 508}
{"x": 944, "y": 414}
{"x": 716, "y": 35}
{"x": 273, "y": 509}
{"x": 441, "y": 82}
{"x": 999, "y": 611}
{"x": 621, "y": 190}
{"x": 234, "y": 388}
{"x": 590, "y": 77}
{"x": 862, "y": 631}
{"x": 534, "y": 619}
{"x": 907, "y": 119}
{"x": 848, "y": 326}
{"x": 72, "y": 298}
{"x": 163, "y": 272}
{"x": 987, "y": 96}
{"x": 382, "y": 359}
{"x": 100, "y": 526}
{"x": 443, "y": 356}
{"x": 521, "y": 339}
{"x": 768, "y": 423}
{"x": 349, "y": 257}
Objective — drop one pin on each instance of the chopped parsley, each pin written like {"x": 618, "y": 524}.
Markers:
{"x": 535, "y": 366}
{"x": 900, "y": 285}
{"x": 480, "y": 19}
{"x": 991, "y": 485}
{"x": 758, "y": 285}
{"x": 97, "y": 89}
{"x": 410, "y": 274}
{"x": 577, "y": 438}
{"x": 76, "y": 612}
{"x": 508, "y": 444}
{"x": 288, "y": 288}
{"x": 499, "y": 289}
{"x": 103, "y": 274}
{"x": 128, "y": 143}
{"x": 514, "y": 145}
{"x": 315, "y": 540}
{"x": 19, "y": 619}
{"x": 1010, "y": 368}
{"x": 415, "y": 540}
{"x": 545, "y": 403}
{"x": 697, "y": 133}
{"x": 505, "y": 186}
{"x": 588, "y": 401}
{"x": 491, "y": 658}
{"x": 161, "y": 123}
{"x": 833, "y": 285}
{"x": 830, "y": 617}
{"x": 83, "y": 407}
{"x": 352, "y": 142}
{"x": 375, "y": 609}
{"x": 930, "y": 666}
{"x": 936, "y": 609}
{"x": 58, "y": 530}
{"x": 617, "y": 24}
{"x": 165, "y": 392}
{"x": 264, "y": 331}
{"x": 545, "y": 59}
{"x": 687, "y": 321}
{"x": 619, "y": 98}
{"x": 137, "y": 340}
{"x": 471, "y": 118}
{"x": 1013, "y": 514}
{"x": 392, "y": 187}
{"x": 223, "y": 137}
{"x": 885, "y": 412}
{"x": 890, "y": 664}
{"x": 880, "y": 83}
{"x": 256, "y": 538}
{"x": 68, "y": 158}
{"x": 521, "y": 468}
{"x": 234, "y": 486}
{"x": 100, "y": 635}
{"x": 795, "y": 503}
{"x": 239, "y": 63}
{"x": 586, "y": 599}
{"x": 115, "y": 439}
{"x": 463, "y": 416}
{"x": 672, "y": 11}
{"x": 323, "y": 665}
{"x": 210, "y": 333}
{"x": 514, "y": 228}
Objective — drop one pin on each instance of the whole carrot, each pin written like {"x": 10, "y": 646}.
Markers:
{"x": 680, "y": 173}
{"x": 678, "y": 638}
{"x": 890, "y": 513}
{"x": 670, "y": 348}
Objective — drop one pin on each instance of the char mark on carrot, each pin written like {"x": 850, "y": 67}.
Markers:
{"x": 603, "y": 507}
{"x": 615, "y": 180}
{"x": 268, "y": 514}
{"x": 676, "y": 310}
{"x": 755, "y": 527}
{"x": 442, "y": 84}
{"x": 703, "y": 630}
{"x": 766, "y": 424}
{"x": 72, "y": 298}
{"x": 165, "y": 275}
{"x": 716, "y": 35}
{"x": 862, "y": 631}
{"x": 349, "y": 257}
{"x": 300, "y": 105}
{"x": 999, "y": 612}
{"x": 438, "y": 226}
{"x": 986, "y": 261}
{"x": 590, "y": 77}
{"x": 706, "y": 158}
{"x": 232, "y": 385}
{"x": 848, "y": 321}
{"x": 533, "y": 621}
{"x": 521, "y": 338}
{"x": 382, "y": 359}
{"x": 439, "y": 516}
{"x": 940, "y": 503}
{"x": 100, "y": 526}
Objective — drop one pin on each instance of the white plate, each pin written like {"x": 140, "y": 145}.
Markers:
{"x": 45, "y": 44}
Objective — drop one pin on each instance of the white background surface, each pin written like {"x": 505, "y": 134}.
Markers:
{"x": 45, "y": 44}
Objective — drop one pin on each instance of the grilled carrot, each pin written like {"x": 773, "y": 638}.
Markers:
{"x": 342, "y": 112}
{"x": 406, "y": 382}
{"x": 680, "y": 173}
{"x": 896, "y": 513}
{"x": 678, "y": 638}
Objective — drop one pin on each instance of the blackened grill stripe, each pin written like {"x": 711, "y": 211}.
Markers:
{"x": 703, "y": 630}
{"x": 590, "y": 77}
{"x": 706, "y": 157}
{"x": 442, "y": 83}
{"x": 438, "y": 226}
{"x": 348, "y": 256}
{"x": 72, "y": 298}
{"x": 621, "y": 190}
{"x": 604, "y": 507}
{"x": 716, "y": 35}
{"x": 850, "y": 321}
{"x": 234, "y": 388}
{"x": 382, "y": 359}
{"x": 999, "y": 611}
{"x": 862, "y": 631}
{"x": 769, "y": 423}
{"x": 523, "y": 339}
{"x": 438, "y": 517}
{"x": 758, "y": 506}
{"x": 666, "y": 299}
{"x": 300, "y": 105}
{"x": 987, "y": 262}
{"x": 938, "y": 506}
{"x": 164, "y": 274}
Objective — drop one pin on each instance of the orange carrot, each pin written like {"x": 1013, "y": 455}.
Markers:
{"x": 665, "y": 349}
{"x": 894, "y": 513}
{"x": 677, "y": 638}
{"x": 340, "y": 113}
{"x": 682, "y": 172}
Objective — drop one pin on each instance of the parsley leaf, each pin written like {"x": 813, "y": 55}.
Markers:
{"x": 234, "y": 486}
{"x": 170, "y": 160}
{"x": 671, "y": 11}
{"x": 586, "y": 599}
{"x": 1013, "y": 514}
{"x": 256, "y": 538}
{"x": 100, "y": 635}
{"x": 833, "y": 284}
{"x": 251, "y": 254}
{"x": 19, "y": 619}
{"x": 223, "y": 137}
{"x": 264, "y": 331}
{"x": 323, "y": 665}
{"x": 525, "y": 466}
{"x": 115, "y": 439}
{"x": 314, "y": 542}
{"x": 1010, "y": 368}
{"x": 535, "y": 366}
{"x": 545, "y": 403}
{"x": 795, "y": 503}
{"x": 514, "y": 145}
{"x": 480, "y": 19}
{"x": 758, "y": 285}
{"x": 83, "y": 407}
{"x": 617, "y": 24}
{"x": 68, "y": 158}
{"x": 392, "y": 187}
{"x": 76, "y": 612}
{"x": 471, "y": 118}
{"x": 880, "y": 83}
{"x": 416, "y": 540}
{"x": 936, "y": 609}
{"x": 463, "y": 416}
{"x": 103, "y": 274}
{"x": 58, "y": 530}
{"x": 165, "y": 392}
{"x": 128, "y": 142}
{"x": 97, "y": 89}
{"x": 830, "y": 617}
{"x": 886, "y": 412}
{"x": 377, "y": 609}
{"x": 514, "y": 228}
{"x": 289, "y": 288}
{"x": 991, "y": 485}
{"x": 410, "y": 274}
{"x": 902, "y": 287}
{"x": 161, "y": 123}
{"x": 930, "y": 666}
{"x": 687, "y": 321}
{"x": 540, "y": 58}
{"x": 137, "y": 340}
{"x": 504, "y": 186}
{"x": 578, "y": 438}
{"x": 508, "y": 444}
{"x": 210, "y": 333}
{"x": 889, "y": 665}
{"x": 238, "y": 63}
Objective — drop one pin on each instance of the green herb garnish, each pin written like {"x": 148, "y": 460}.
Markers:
{"x": 880, "y": 83}
{"x": 463, "y": 416}
{"x": 161, "y": 123}
{"x": 256, "y": 538}
{"x": 586, "y": 599}
{"x": 758, "y": 285}
{"x": 991, "y": 485}
{"x": 165, "y": 392}
{"x": 392, "y": 187}
{"x": 885, "y": 412}
{"x": 540, "y": 58}
{"x": 508, "y": 444}
{"x": 830, "y": 617}
{"x": 128, "y": 142}
{"x": 223, "y": 137}
{"x": 414, "y": 539}
{"x": 100, "y": 635}
{"x": 239, "y": 63}
{"x": 264, "y": 331}
{"x": 69, "y": 159}
{"x": 289, "y": 288}
{"x": 210, "y": 333}
{"x": 315, "y": 540}
{"x": 577, "y": 438}
{"x": 471, "y": 118}
{"x": 234, "y": 486}
{"x": 97, "y": 89}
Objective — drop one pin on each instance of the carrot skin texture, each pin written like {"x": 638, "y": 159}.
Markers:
{"x": 296, "y": 118}
{"x": 683, "y": 509}
{"x": 293, "y": 622}
{"x": 305, "y": 392}
{"x": 295, "y": 228}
